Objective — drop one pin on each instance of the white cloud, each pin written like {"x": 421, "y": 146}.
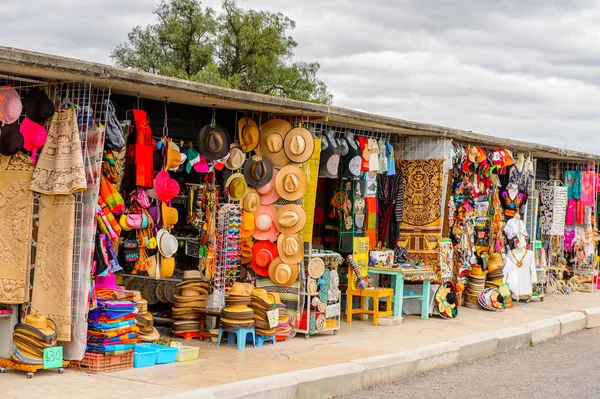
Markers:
{"x": 527, "y": 70}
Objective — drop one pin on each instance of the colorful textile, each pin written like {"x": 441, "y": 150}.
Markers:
{"x": 111, "y": 196}
{"x": 53, "y": 272}
{"x": 371, "y": 211}
{"x": 446, "y": 260}
{"x": 116, "y": 332}
{"x": 290, "y": 297}
{"x": 522, "y": 178}
{"x": 391, "y": 158}
{"x": 311, "y": 169}
{"x": 513, "y": 205}
{"x": 588, "y": 188}
{"x": 421, "y": 227}
{"x": 16, "y": 211}
{"x": 110, "y": 326}
{"x": 59, "y": 169}
{"x": 573, "y": 183}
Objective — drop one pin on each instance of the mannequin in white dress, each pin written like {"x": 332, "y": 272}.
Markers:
{"x": 519, "y": 269}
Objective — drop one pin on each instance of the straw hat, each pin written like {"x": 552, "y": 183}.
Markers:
{"x": 290, "y": 247}
{"x": 268, "y": 193}
{"x": 258, "y": 171}
{"x": 246, "y": 245}
{"x": 238, "y": 289}
{"x": 299, "y": 145}
{"x": 173, "y": 156}
{"x": 275, "y": 298}
{"x": 495, "y": 261}
{"x": 249, "y": 134}
{"x": 272, "y": 139}
{"x": 167, "y": 243}
{"x": 167, "y": 267}
{"x": 236, "y": 158}
{"x": 316, "y": 267}
{"x": 154, "y": 269}
{"x": 264, "y": 223}
{"x": 170, "y": 216}
{"x": 213, "y": 142}
{"x": 290, "y": 219}
{"x": 251, "y": 201}
{"x": 247, "y": 228}
{"x": 283, "y": 273}
{"x": 41, "y": 323}
{"x": 263, "y": 253}
{"x": 291, "y": 183}
{"x": 153, "y": 336}
{"x": 236, "y": 186}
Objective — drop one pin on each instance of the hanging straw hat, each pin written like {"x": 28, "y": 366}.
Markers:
{"x": 170, "y": 215}
{"x": 290, "y": 219}
{"x": 282, "y": 273}
{"x": 167, "y": 243}
{"x": 247, "y": 228}
{"x": 272, "y": 139}
{"x": 258, "y": 171}
{"x": 263, "y": 253}
{"x": 173, "y": 156}
{"x": 268, "y": 193}
{"x": 264, "y": 223}
{"x": 213, "y": 142}
{"x": 249, "y": 134}
{"x": 251, "y": 201}
{"x": 290, "y": 247}
{"x": 236, "y": 158}
{"x": 167, "y": 267}
{"x": 299, "y": 145}
{"x": 236, "y": 186}
{"x": 291, "y": 183}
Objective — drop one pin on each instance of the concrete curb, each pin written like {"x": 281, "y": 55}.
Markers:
{"x": 343, "y": 378}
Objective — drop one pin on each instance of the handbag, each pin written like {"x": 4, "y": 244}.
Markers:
{"x": 131, "y": 250}
{"x": 141, "y": 197}
{"x": 123, "y": 223}
{"x": 137, "y": 221}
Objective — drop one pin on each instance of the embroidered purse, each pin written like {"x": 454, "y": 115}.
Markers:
{"x": 131, "y": 250}
{"x": 137, "y": 221}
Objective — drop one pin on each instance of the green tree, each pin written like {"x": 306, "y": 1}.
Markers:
{"x": 237, "y": 48}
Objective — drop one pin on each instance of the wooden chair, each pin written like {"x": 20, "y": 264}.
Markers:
{"x": 363, "y": 311}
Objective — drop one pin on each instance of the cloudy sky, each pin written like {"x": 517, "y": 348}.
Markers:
{"x": 528, "y": 71}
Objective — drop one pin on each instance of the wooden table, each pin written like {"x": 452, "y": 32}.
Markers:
{"x": 398, "y": 285}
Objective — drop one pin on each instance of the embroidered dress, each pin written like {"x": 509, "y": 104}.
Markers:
{"x": 522, "y": 178}
{"x": 512, "y": 205}
{"x": 588, "y": 188}
{"x": 520, "y": 274}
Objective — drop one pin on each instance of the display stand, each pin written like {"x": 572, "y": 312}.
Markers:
{"x": 29, "y": 369}
{"x": 308, "y": 311}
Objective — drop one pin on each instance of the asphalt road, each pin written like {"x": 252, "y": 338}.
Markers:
{"x": 567, "y": 367}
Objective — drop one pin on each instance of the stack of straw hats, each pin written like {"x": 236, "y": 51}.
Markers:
{"x": 476, "y": 284}
{"x": 261, "y": 304}
{"x": 237, "y": 314}
{"x": 494, "y": 272}
{"x": 190, "y": 300}
{"x": 145, "y": 322}
{"x": 31, "y": 338}
{"x": 284, "y": 327}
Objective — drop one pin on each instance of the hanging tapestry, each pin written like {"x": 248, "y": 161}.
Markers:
{"x": 446, "y": 260}
{"x": 371, "y": 224}
{"x": 421, "y": 227}
{"x": 546, "y": 209}
{"x": 559, "y": 211}
{"x": 16, "y": 209}
{"x": 311, "y": 169}
{"x": 52, "y": 281}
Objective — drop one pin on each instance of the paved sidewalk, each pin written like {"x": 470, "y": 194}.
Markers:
{"x": 221, "y": 365}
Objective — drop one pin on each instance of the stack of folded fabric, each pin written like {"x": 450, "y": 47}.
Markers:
{"x": 112, "y": 327}
{"x": 284, "y": 328}
{"x": 190, "y": 300}
{"x": 261, "y": 304}
{"x": 237, "y": 314}
{"x": 31, "y": 338}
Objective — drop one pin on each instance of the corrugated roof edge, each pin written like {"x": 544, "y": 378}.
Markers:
{"x": 13, "y": 60}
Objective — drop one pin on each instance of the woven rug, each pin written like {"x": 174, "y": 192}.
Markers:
{"x": 421, "y": 226}
{"x": 290, "y": 297}
{"x": 53, "y": 273}
{"x": 16, "y": 209}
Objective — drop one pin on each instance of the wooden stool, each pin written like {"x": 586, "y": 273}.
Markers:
{"x": 203, "y": 333}
{"x": 376, "y": 294}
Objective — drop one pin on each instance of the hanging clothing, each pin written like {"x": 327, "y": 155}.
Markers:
{"x": 391, "y": 157}
{"x": 383, "y": 160}
{"x": 364, "y": 147}
{"x": 588, "y": 188}
{"x": 330, "y": 158}
{"x": 520, "y": 274}
{"x": 512, "y": 205}
{"x": 573, "y": 183}
{"x": 59, "y": 170}
{"x": 523, "y": 177}
{"x": 373, "y": 156}
{"x": 352, "y": 160}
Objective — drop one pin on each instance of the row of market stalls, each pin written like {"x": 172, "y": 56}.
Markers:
{"x": 137, "y": 208}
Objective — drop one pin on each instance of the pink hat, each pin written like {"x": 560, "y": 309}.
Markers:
{"x": 10, "y": 105}
{"x": 202, "y": 165}
{"x": 108, "y": 282}
{"x": 165, "y": 187}
{"x": 264, "y": 223}
{"x": 34, "y": 135}
{"x": 268, "y": 193}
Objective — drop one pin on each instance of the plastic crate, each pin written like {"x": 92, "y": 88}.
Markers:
{"x": 96, "y": 363}
{"x": 166, "y": 354}
{"x": 187, "y": 354}
{"x": 144, "y": 356}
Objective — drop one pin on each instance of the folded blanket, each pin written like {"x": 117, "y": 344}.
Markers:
{"x": 111, "y": 326}
{"x": 99, "y": 333}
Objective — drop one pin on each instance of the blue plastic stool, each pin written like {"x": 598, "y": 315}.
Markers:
{"x": 241, "y": 335}
{"x": 261, "y": 339}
